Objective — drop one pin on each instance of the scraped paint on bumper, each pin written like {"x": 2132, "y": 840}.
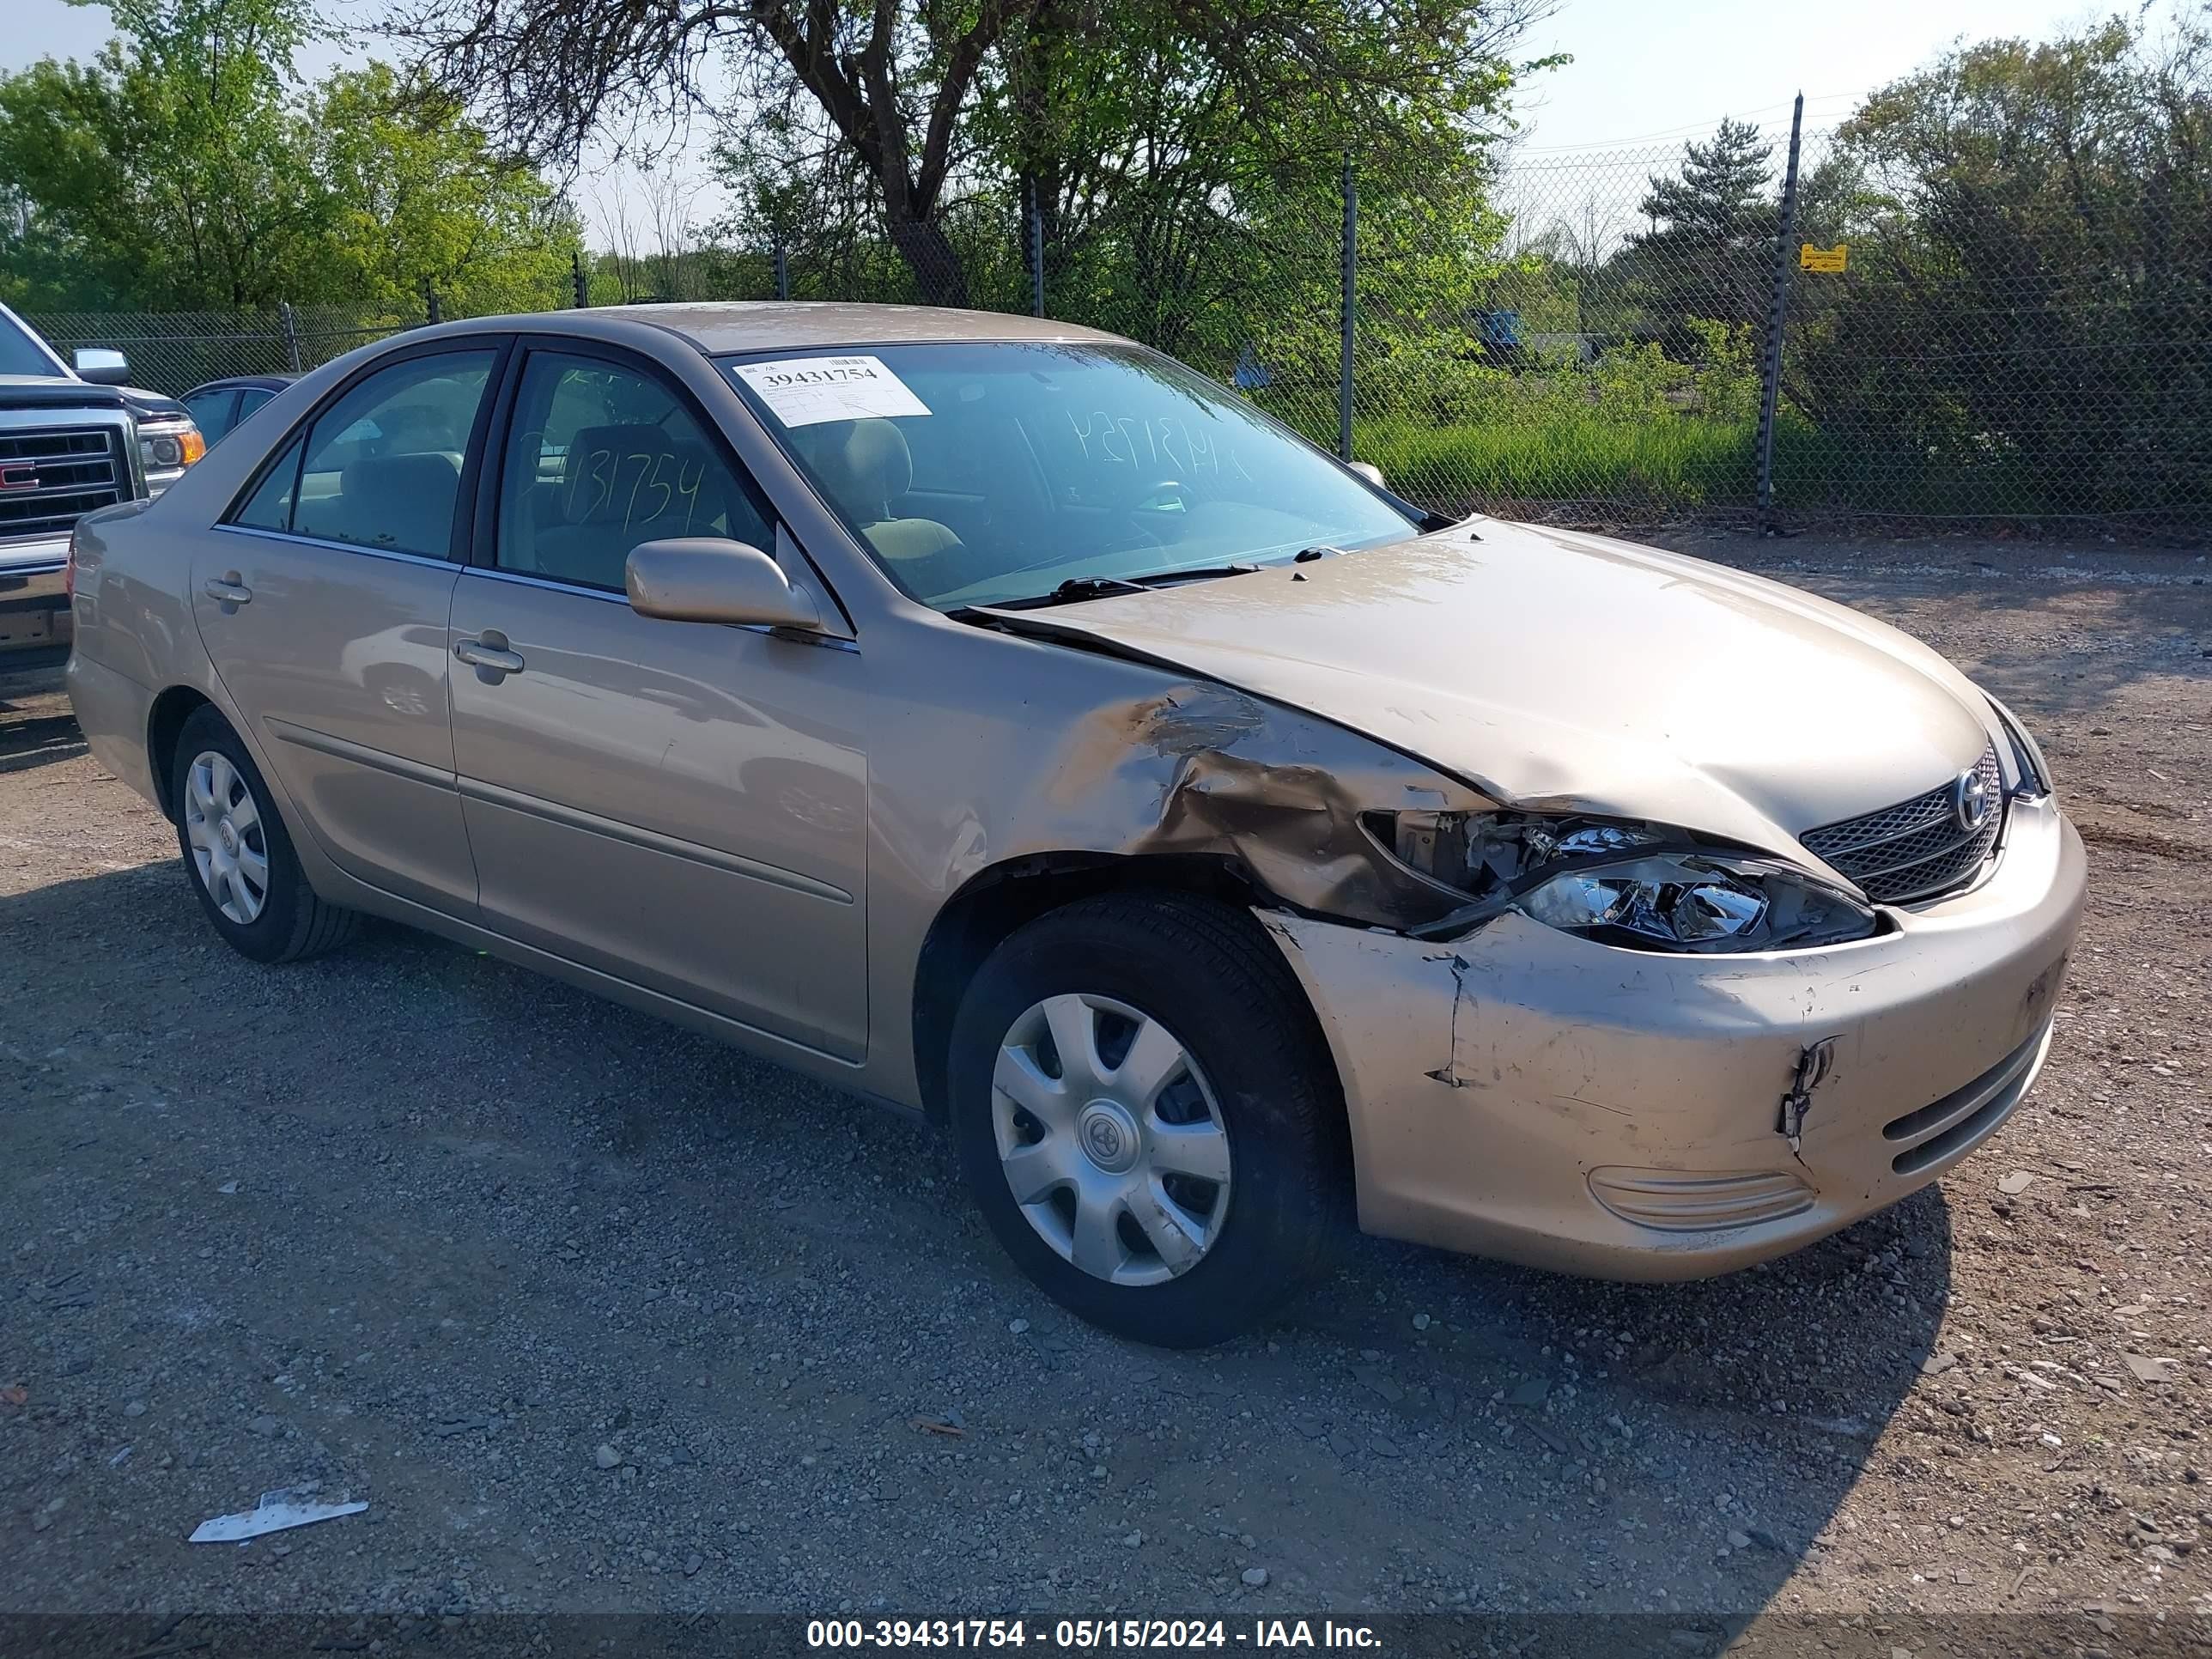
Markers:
{"x": 1527, "y": 1094}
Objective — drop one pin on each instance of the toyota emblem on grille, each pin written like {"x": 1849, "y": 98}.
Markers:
{"x": 1969, "y": 800}
{"x": 19, "y": 474}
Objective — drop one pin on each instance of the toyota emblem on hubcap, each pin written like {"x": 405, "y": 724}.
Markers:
{"x": 1969, "y": 800}
{"x": 1109, "y": 1136}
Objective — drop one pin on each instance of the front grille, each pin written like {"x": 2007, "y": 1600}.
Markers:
{"x": 52, "y": 478}
{"x": 1918, "y": 848}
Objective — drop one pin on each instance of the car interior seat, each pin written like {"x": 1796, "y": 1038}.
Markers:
{"x": 404, "y": 502}
{"x": 866, "y": 468}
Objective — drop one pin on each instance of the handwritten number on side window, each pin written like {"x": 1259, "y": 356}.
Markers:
{"x": 661, "y": 480}
{"x": 687, "y": 486}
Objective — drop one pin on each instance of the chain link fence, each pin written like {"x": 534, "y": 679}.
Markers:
{"x": 172, "y": 351}
{"x": 1608, "y": 339}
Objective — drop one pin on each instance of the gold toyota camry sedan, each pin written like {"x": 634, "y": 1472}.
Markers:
{"x": 1002, "y": 721}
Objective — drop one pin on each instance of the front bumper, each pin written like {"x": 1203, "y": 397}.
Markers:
{"x": 1526, "y": 1094}
{"x": 33, "y": 574}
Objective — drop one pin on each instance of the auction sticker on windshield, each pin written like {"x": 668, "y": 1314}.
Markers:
{"x": 808, "y": 391}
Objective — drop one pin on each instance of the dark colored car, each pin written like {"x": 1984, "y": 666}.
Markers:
{"x": 221, "y": 404}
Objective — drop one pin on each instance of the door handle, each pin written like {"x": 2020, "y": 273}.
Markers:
{"x": 489, "y": 655}
{"x": 227, "y": 589}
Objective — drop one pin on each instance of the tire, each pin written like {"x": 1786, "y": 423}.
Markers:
{"x": 1254, "y": 1074}
{"x": 240, "y": 857}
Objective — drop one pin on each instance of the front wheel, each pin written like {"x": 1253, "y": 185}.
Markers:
{"x": 1147, "y": 1117}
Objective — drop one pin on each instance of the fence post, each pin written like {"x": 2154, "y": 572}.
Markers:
{"x": 1033, "y": 244}
{"x": 291, "y": 327}
{"x": 583, "y": 283}
{"x": 782, "y": 269}
{"x": 1770, "y": 389}
{"x": 431, "y": 302}
{"x": 1351, "y": 308}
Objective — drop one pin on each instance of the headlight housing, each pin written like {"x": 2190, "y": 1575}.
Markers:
{"x": 1641, "y": 886}
{"x": 2028, "y": 755}
{"x": 167, "y": 447}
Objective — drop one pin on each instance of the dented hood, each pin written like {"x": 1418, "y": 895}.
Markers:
{"x": 1556, "y": 671}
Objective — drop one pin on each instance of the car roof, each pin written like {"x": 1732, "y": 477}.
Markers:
{"x": 769, "y": 325}
{"x": 272, "y": 382}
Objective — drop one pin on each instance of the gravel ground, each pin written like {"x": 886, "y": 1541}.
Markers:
{"x": 598, "y": 1315}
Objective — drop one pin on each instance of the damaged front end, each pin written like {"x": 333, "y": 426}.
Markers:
{"x": 1203, "y": 770}
{"x": 1564, "y": 1035}
{"x": 1641, "y": 886}
{"x": 1324, "y": 822}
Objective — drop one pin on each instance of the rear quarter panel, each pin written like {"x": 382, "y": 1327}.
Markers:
{"x": 133, "y": 637}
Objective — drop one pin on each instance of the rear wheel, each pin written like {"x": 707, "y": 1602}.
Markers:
{"x": 237, "y": 853}
{"x": 1146, "y": 1117}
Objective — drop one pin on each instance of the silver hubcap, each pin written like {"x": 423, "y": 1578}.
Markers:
{"x": 222, "y": 825}
{"x": 1111, "y": 1139}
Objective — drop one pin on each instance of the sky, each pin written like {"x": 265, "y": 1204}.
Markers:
{"x": 1646, "y": 73}
{"x": 1657, "y": 71}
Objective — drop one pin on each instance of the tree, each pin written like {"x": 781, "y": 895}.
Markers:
{"x": 168, "y": 169}
{"x": 2028, "y": 315}
{"x": 1709, "y": 248}
{"x": 185, "y": 166}
{"x": 917, "y": 99}
{"x": 416, "y": 200}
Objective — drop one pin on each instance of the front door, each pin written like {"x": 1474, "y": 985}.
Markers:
{"x": 323, "y": 604}
{"x": 681, "y": 805}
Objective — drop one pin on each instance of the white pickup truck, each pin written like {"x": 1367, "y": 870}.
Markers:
{"x": 72, "y": 438}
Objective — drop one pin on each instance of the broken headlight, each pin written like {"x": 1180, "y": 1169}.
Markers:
{"x": 1630, "y": 885}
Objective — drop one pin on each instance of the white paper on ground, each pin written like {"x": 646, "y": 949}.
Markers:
{"x": 808, "y": 391}
{"x": 277, "y": 1512}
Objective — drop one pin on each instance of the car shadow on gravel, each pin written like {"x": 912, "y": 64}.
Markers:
{"x": 36, "y": 740}
{"x": 1747, "y": 1406}
{"x": 534, "y": 1207}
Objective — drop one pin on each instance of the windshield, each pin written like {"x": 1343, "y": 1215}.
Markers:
{"x": 981, "y": 472}
{"x": 21, "y": 354}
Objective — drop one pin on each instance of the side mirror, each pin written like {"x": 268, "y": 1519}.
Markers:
{"x": 710, "y": 579}
{"x": 1369, "y": 471}
{"x": 101, "y": 366}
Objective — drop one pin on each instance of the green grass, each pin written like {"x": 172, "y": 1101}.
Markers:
{"x": 1628, "y": 469}
{"x": 1642, "y": 466}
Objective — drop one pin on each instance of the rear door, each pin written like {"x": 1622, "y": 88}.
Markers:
{"x": 681, "y": 805}
{"x": 323, "y": 600}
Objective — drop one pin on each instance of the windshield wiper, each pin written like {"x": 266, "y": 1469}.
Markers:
{"x": 1078, "y": 588}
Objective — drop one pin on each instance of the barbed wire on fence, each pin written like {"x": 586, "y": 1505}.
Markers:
{"x": 1583, "y": 339}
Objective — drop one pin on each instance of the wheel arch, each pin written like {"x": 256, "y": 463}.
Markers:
{"x": 165, "y": 720}
{"x": 994, "y": 901}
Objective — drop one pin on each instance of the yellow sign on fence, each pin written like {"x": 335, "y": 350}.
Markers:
{"x": 1830, "y": 259}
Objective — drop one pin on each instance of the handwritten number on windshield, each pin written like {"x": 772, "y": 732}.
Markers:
{"x": 1125, "y": 438}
